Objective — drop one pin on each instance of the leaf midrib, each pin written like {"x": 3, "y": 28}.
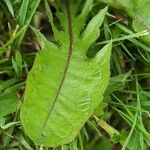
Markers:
{"x": 70, "y": 33}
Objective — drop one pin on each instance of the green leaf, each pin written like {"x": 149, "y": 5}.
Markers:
{"x": 126, "y": 5}
{"x": 91, "y": 32}
{"x": 25, "y": 15}
{"x": 142, "y": 17}
{"x": 2, "y": 122}
{"x": 10, "y": 8}
{"x": 23, "y": 12}
{"x": 64, "y": 86}
{"x": 113, "y": 133}
{"x": 138, "y": 10}
{"x": 6, "y": 84}
{"x": 17, "y": 64}
{"x": 9, "y": 103}
{"x": 27, "y": 11}
{"x": 6, "y": 126}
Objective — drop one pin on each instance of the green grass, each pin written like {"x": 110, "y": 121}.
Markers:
{"x": 122, "y": 122}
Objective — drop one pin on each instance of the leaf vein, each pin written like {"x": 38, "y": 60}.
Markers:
{"x": 67, "y": 62}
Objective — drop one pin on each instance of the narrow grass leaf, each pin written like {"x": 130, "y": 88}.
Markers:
{"x": 10, "y": 7}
